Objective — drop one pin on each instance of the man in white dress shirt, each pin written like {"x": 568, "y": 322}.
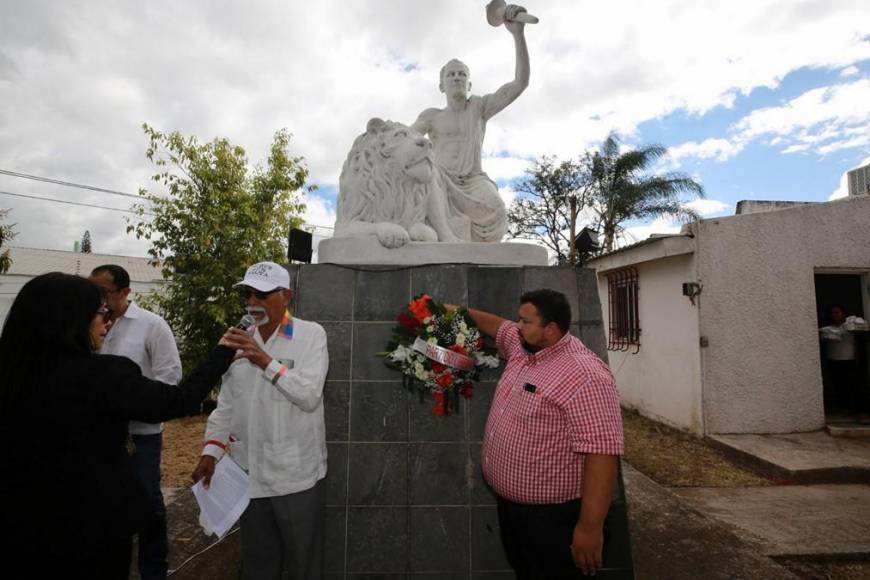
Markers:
{"x": 269, "y": 419}
{"x": 147, "y": 340}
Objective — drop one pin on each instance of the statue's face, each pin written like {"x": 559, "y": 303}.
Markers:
{"x": 411, "y": 151}
{"x": 455, "y": 80}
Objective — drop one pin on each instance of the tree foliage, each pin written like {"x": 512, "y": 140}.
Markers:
{"x": 603, "y": 189}
{"x": 6, "y": 233}
{"x": 621, "y": 189}
{"x": 551, "y": 196}
{"x": 219, "y": 217}
{"x": 86, "y": 242}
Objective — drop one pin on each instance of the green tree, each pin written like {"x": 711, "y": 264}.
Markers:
{"x": 86, "y": 242}
{"x": 620, "y": 188}
{"x": 219, "y": 217}
{"x": 552, "y": 195}
{"x": 6, "y": 233}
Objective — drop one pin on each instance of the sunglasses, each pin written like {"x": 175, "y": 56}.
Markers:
{"x": 258, "y": 294}
{"x": 105, "y": 312}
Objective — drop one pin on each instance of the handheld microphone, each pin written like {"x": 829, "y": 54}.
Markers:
{"x": 246, "y": 322}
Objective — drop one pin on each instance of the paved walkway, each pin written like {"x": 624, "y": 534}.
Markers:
{"x": 792, "y": 519}
{"x": 673, "y": 541}
{"x": 813, "y": 457}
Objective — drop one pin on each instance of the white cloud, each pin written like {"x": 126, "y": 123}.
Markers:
{"x": 639, "y": 233}
{"x": 708, "y": 207}
{"x": 508, "y": 195}
{"x": 823, "y": 119}
{"x": 843, "y": 189}
{"x": 720, "y": 149}
{"x": 849, "y": 71}
{"x": 78, "y": 78}
{"x": 505, "y": 168}
{"x": 319, "y": 212}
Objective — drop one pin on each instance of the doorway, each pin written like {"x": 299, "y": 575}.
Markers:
{"x": 844, "y": 346}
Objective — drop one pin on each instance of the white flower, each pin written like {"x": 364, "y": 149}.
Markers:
{"x": 486, "y": 360}
{"x": 460, "y": 339}
{"x": 427, "y": 320}
{"x": 401, "y": 354}
{"x": 432, "y": 340}
{"x": 430, "y": 328}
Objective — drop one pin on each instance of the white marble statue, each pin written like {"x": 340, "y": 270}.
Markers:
{"x": 385, "y": 188}
{"x": 401, "y": 187}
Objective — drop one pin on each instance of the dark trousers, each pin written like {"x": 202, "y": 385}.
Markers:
{"x": 282, "y": 537}
{"x": 153, "y": 544}
{"x": 848, "y": 392}
{"x": 537, "y": 538}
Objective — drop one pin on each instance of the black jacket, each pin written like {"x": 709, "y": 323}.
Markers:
{"x": 66, "y": 482}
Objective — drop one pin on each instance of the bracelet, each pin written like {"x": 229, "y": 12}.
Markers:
{"x": 278, "y": 374}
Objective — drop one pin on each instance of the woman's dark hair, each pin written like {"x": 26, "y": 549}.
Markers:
{"x": 552, "y": 307}
{"x": 51, "y": 316}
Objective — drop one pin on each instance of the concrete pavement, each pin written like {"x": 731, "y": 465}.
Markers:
{"x": 814, "y": 457}
{"x": 792, "y": 520}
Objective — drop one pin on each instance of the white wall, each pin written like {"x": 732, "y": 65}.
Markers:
{"x": 10, "y": 284}
{"x": 762, "y": 370}
{"x": 663, "y": 380}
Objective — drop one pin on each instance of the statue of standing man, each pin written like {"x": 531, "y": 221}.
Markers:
{"x": 470, "y": 202}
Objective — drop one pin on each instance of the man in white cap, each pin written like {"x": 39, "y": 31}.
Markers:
{"x": 269, "y": 419}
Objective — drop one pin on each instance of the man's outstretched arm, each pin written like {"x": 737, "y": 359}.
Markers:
{"x": 509, "y": 92}
{"x": 486, "y": 322}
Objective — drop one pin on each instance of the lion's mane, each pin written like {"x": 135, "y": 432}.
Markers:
{"x": 373, "y": 186}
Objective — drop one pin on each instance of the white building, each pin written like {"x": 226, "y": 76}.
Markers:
{"x": 715, "y": 330}
{"x": 29, "y": 262}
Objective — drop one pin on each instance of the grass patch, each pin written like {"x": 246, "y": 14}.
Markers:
{"x": 675, "y": 458}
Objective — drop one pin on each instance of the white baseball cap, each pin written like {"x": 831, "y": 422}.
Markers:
{"x": 265, "y": 277}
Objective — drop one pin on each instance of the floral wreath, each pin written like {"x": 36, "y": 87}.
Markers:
{"x": 438, "y": 351}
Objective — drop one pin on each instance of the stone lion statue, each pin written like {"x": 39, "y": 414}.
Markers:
{"x": 386, "y": 188}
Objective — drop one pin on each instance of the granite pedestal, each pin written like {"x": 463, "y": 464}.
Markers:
{"x": 405, "y": 495}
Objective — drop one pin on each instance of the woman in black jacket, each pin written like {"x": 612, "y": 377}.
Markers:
{"x": 71, "y": 502}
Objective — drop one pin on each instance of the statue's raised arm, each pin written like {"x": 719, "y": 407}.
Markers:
{"x": 508, "y": 92}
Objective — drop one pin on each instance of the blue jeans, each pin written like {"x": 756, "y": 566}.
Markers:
{"x": 153, "y": 544}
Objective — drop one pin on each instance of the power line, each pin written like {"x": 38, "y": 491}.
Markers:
{"x": 315, "y": 226}
{"x": 71, "y": 202}
{"x": 67, "y": 183}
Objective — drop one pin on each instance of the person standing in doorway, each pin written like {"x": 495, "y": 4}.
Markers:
{"x": 842, "y": 363}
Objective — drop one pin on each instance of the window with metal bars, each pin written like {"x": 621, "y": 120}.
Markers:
{"x": 622, "y": 298}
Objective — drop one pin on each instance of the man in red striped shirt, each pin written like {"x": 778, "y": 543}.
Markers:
{"x": 552, "y": 441}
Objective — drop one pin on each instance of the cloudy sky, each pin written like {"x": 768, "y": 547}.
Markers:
{"x": 756, "y": 99}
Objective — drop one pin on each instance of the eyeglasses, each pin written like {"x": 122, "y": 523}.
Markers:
{"x": 105, "y": 312}
{"x": 258, "y": 294}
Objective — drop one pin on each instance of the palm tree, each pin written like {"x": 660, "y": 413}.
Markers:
{"x": 621, "y": 190}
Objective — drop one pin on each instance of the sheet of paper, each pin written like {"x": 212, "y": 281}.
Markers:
{"x": 226, "y": 498}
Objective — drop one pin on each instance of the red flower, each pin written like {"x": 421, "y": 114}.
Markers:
{"x": 438, "y": 368}
{"x": 480, "y": 342}
{"x": 445, "y": 380}
{"x": 420, "y": 307}
{"x": 458, "y": 348}
{"x": 407, "y": 321}
{"x": 466, "y": 390}
{"x": 439, "y": 408}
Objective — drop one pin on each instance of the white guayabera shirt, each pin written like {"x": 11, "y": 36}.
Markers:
{"x": 271, "y": 420}
{"x": 146, "y": 339}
